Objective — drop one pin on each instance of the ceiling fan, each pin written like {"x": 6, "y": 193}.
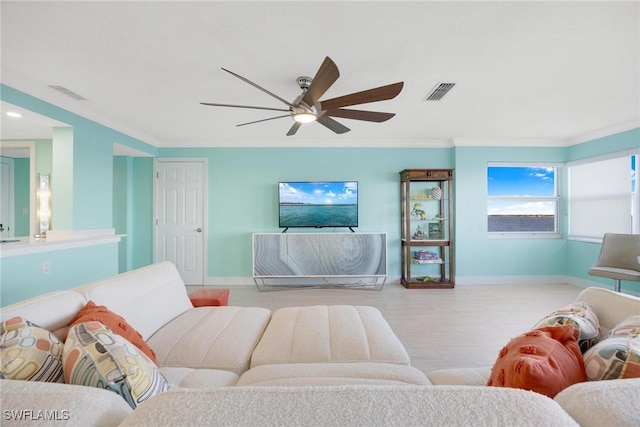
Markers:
{"x": 307, "y": 107}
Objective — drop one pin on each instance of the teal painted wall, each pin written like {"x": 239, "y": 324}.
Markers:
{"x": 243, "y": 199}
{"x": 91, "y": 197}
{"x": 243, "y": 192}
{"x": 141, "y": 213}
{"x": 121, "y": 207}
{"x": 628, "y": 140}
{"x": 478, "y": 255}
{"x": 62, "y": 178}
{"x": 582, "y": 255}
{"x": 91, "y": 153}
{"x": 21, "y": 197}
{"x": 22, "y": 276}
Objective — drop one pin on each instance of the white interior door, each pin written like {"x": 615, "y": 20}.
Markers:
{"x": 180, "y": 212}
{"x": 6, "y": 197}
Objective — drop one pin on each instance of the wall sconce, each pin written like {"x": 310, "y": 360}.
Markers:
{"x": 44, "y": 204}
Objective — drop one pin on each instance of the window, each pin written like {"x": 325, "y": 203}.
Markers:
{"x": 522, "y": 199}
{"x": 603, "y": 196}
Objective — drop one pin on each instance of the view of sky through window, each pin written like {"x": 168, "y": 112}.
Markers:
{"x": 515, "y": 190}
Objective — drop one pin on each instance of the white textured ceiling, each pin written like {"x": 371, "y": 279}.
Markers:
{"x": 526, "y": 72}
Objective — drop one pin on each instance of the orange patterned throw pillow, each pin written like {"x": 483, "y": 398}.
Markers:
{"x": 117, "y": 324}
{"x": 545, "y": 360}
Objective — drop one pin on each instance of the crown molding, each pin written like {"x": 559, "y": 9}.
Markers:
{"x": 315, "y": 143}
{"x": 601, "y": 133}
{"x": 507, "y": 142}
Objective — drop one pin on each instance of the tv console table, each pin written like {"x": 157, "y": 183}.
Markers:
{"x": 345, "y": 260}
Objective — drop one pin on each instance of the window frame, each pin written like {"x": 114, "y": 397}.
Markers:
{"x": 555, "y": 200}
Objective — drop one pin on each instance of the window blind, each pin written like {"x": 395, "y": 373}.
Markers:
{"x": 600, "y": 198}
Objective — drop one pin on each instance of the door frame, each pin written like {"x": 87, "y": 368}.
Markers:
{"x": 205, "y": 206}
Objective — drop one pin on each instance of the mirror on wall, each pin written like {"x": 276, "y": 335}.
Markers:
{"x": 21, "y": 132}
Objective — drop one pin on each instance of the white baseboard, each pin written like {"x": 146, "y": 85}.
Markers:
{"x": 460, "y": 281}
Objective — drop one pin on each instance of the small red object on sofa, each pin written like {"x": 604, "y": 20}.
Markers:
{"x": 209, "y": 297}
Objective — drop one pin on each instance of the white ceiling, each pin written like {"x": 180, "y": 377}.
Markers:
{"x": 543, "y": 73}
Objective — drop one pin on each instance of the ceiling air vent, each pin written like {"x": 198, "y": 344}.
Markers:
{"x": 439, "y": 91}
{"x": 67, "y": 92}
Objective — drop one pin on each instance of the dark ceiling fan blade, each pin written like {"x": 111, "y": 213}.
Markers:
{"x": 332, "y": 124}
{"x": 263, "y": 120}
{"x": 381, "y": 93}
{"x": 369, "y": 116}
{"x": 243, "y": 106}
{"x": 326, "y": 76}
{"x": 259, "y": 87}
{"x": 294, "y": 128}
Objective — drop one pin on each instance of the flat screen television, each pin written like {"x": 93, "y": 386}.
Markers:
{"x": 318, "y": 204}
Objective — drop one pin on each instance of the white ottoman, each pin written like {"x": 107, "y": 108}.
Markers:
{"x": 323, "y": 334}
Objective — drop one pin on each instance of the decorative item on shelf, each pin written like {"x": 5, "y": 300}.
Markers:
{"x": 436, "y": 193}
{"x": 426, "y": 279}
{"x": 419, "y": 234}
{"x": 435, "y": 231}
{"x": 439, "y": 217}
{"x": 426, "y": 257}
{"x": 421, "y": 195}
{"x": 417, "y": 211}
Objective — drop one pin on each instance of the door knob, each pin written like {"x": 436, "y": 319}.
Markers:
{"x": 199, "y": 230}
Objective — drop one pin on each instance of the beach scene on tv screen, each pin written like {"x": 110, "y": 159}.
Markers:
{"x": 318, "y": 204}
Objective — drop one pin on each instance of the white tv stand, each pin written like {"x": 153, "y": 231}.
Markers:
{"x": 345, "y": 260}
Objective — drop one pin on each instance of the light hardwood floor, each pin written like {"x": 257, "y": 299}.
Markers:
{"x": 440, "y": 328}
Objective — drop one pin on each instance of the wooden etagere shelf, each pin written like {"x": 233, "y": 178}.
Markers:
{"x": 426, "y": 212}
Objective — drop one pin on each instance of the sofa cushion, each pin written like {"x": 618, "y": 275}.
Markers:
{"x": 544, "y": 360}
{"x": 66, "y": 405}
{"x": 580, "y": 315}
{"x": 95, "y": 356}
{"x": 211, "y": 338}
{"x": 460, "y": 376}
{"x": 617, "y": 355}
{"x": 117, "y": 324}
{"x": 178, "y": 377}
{"x": 350, "y": 406}
{"x": 333, "y": 374}
{"x": 603, "y": 403}
{"x": 53, "y": 311}
{"x": 29, "y": 352}
{"x": 320, "y": 334}
{"x": 157, "y": 287}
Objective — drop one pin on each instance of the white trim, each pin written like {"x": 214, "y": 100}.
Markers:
{"x": 512, "y": 164}
{"x": 523, "y": 235}
{"x": 67, "y": 239}
{"x": 603, "y": 132}
{"x": 124, "y": 150}
{"x": 31, "y": 146}
{"x": 306, "y": 143}
{"x": 394, "y": 280}
{"x": 508, "y": 142}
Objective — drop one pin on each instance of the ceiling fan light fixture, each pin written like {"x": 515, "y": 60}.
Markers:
{"x": 304, "y": 117}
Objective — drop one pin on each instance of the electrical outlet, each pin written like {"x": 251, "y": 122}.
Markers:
{"x": 46, "y": 267}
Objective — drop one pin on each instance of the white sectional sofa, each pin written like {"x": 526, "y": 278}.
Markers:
{"x": 321, "y": 365}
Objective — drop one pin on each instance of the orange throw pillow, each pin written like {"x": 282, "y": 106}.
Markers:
{"x": 117, "y": 324}
{"x": 545, "y": 360}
